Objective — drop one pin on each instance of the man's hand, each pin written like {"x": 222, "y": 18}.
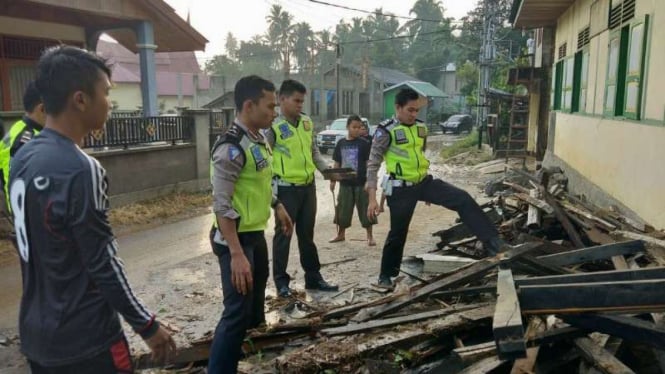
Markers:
{"x": 283, "y": 218}
{"x": 373, "y": 209}
{"x": 161, "y": 345}
{"x": 241, "y": 273}
{"x": 332, "y": 186}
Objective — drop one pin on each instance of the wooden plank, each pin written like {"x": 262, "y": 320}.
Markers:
{"x": 540, "y": 267}
{"x": 565, "y": 222}
{"x": 533, "y": 216}
{"x": 628, "y": 328}
{"x": 507, "y": 324}
{"x": 598, "y": 252}
{"x": 360, "y": 327}
{"x": 489, "y": 288}
{"x": 601, "y": 358}
{"x": 604, "y": 224}
{"x": 483, "y": 366}
{"x": 472, "y": 272}
{"x": 461, "y": 231}
{"x": 476, "y": 352}
{"x": 625, "y": 296}
{"x": 555, "y": 335}
{"x": 329, "y": 353}
{"x": 645, "y": 238}
{"x": 443, "y": 264}
{"x": 547, "y": 208}
{"x": 345, "y": 310}
{"x": 516, "y": 187}
{"x": 526, "y": 365}
{"x": 595, "y": 277}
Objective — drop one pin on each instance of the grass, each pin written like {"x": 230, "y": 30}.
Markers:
{"x": 178, "y": 204}
{"x": 468, "y": 144}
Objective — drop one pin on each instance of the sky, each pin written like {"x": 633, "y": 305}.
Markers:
{"x": 246, "y": 18}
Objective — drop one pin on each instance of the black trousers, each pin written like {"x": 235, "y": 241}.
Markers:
{"x": 300, "y": 203}
{"x": 403, "y": 202}
{"x": 241, "y": 312}
{"x": 115, "y": 360}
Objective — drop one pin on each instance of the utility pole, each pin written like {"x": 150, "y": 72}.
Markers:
{"x": 486, "y": 60}
{"x": 338, "y": 62}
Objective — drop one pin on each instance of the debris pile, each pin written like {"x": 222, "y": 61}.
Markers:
{"x": 579, "y": 290}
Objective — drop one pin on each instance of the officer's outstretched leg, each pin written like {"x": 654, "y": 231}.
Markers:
{"x": 226, "y": 348}
{"x": 445, "y": 194}
{"x": 402, "y": 204}
{"x": 281, "y": 243}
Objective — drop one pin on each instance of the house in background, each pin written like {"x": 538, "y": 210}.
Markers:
{"x": 29, "y": 26}
{"x": 433, "y": 95}
{"x": 180, "y": 81}
{"x": 605, "y": 112}
{"x": 362, "y": 92}
{"x": 451, "y": 86}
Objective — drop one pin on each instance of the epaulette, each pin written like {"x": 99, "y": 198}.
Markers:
{"x": 387, "y": 122}
{"x": 419, "y": 121}
{"x": 232, "y": 135}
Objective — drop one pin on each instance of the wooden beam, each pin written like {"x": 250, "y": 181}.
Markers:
{"x": 555, "y": 335}
{"x": 625, "y": 296}
{"x": 533, "y": 216}
{"x": 565, "y": 221}
{"x": 483, "y": 366}
{"x": 604, "y": 224}
{"x": 600, "y": 358}
{"x": 473, "y": 353}
{"x": 507, "y": 324}
{"x": 472, "y": 272}
{"x": 547, "y": 208}
{"x": 540, "y": 267}
{"x": 646, "y": 238}
{"x": 628, "y": 328}
{"x": 595, "y": 277}
{"x": 489, "y": 288}
{"x": 599, "y": 252}
{"x": 526, "y": 365}
{"x": 371, "y": 325}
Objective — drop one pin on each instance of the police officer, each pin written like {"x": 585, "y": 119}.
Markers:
{"x": 22, "y": 131}
{"x": 401, "y": 140}
{"x": 296, "y": 159}
{"x": 242, "y": 193}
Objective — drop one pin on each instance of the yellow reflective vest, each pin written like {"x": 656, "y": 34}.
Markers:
{"x": 293, "y": 161}
{"x": 405, "y": 158}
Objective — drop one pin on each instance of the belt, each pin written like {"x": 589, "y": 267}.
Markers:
{"x": 401, "y": 183}
{"x": 288, "y": 184}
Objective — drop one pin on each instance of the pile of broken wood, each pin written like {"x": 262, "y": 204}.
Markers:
{"x": 578, "y": 292}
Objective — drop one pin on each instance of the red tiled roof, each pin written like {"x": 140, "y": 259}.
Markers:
{"x": 125, "y": 68}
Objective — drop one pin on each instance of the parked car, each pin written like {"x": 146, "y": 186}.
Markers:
{"x": 328, "y": 138}
{"x": 457, "y": 123}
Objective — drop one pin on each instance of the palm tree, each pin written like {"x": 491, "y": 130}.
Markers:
{"x": 303, "y": 45}
{"x": 280, "y": 35}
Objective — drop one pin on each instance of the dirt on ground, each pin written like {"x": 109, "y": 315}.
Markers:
{"x": 186, "y": 292}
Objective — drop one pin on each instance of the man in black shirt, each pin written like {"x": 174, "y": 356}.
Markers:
{"x": 352, "y": 152}
{"x": 74, "y": 284}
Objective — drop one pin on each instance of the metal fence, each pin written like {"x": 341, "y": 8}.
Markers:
{"x": 136, "y": 131}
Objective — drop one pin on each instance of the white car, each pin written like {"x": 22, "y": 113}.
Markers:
{"x": 328, "y": 138}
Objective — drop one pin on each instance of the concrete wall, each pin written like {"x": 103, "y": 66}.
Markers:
{"x": 136, "y": 170}
{"x": 38, "y": 29}
{"x": 622, "y": 157}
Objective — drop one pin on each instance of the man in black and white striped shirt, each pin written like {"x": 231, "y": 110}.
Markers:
{"x": 74, "y": 284}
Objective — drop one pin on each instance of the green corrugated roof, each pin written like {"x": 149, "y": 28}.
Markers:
{"x": 424, "y": 88}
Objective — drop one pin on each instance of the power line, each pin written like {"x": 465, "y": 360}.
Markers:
{"x": 378, "y": 13}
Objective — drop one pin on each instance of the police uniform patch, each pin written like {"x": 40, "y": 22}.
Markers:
{"x": 285, "y": 131}
{"x": 259, "y": 160}
{"x": 422, "y": 132}
{"x": 400, "y": 137}
{"x": 307, "y": 125}
{"x": 234, "y": 152}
